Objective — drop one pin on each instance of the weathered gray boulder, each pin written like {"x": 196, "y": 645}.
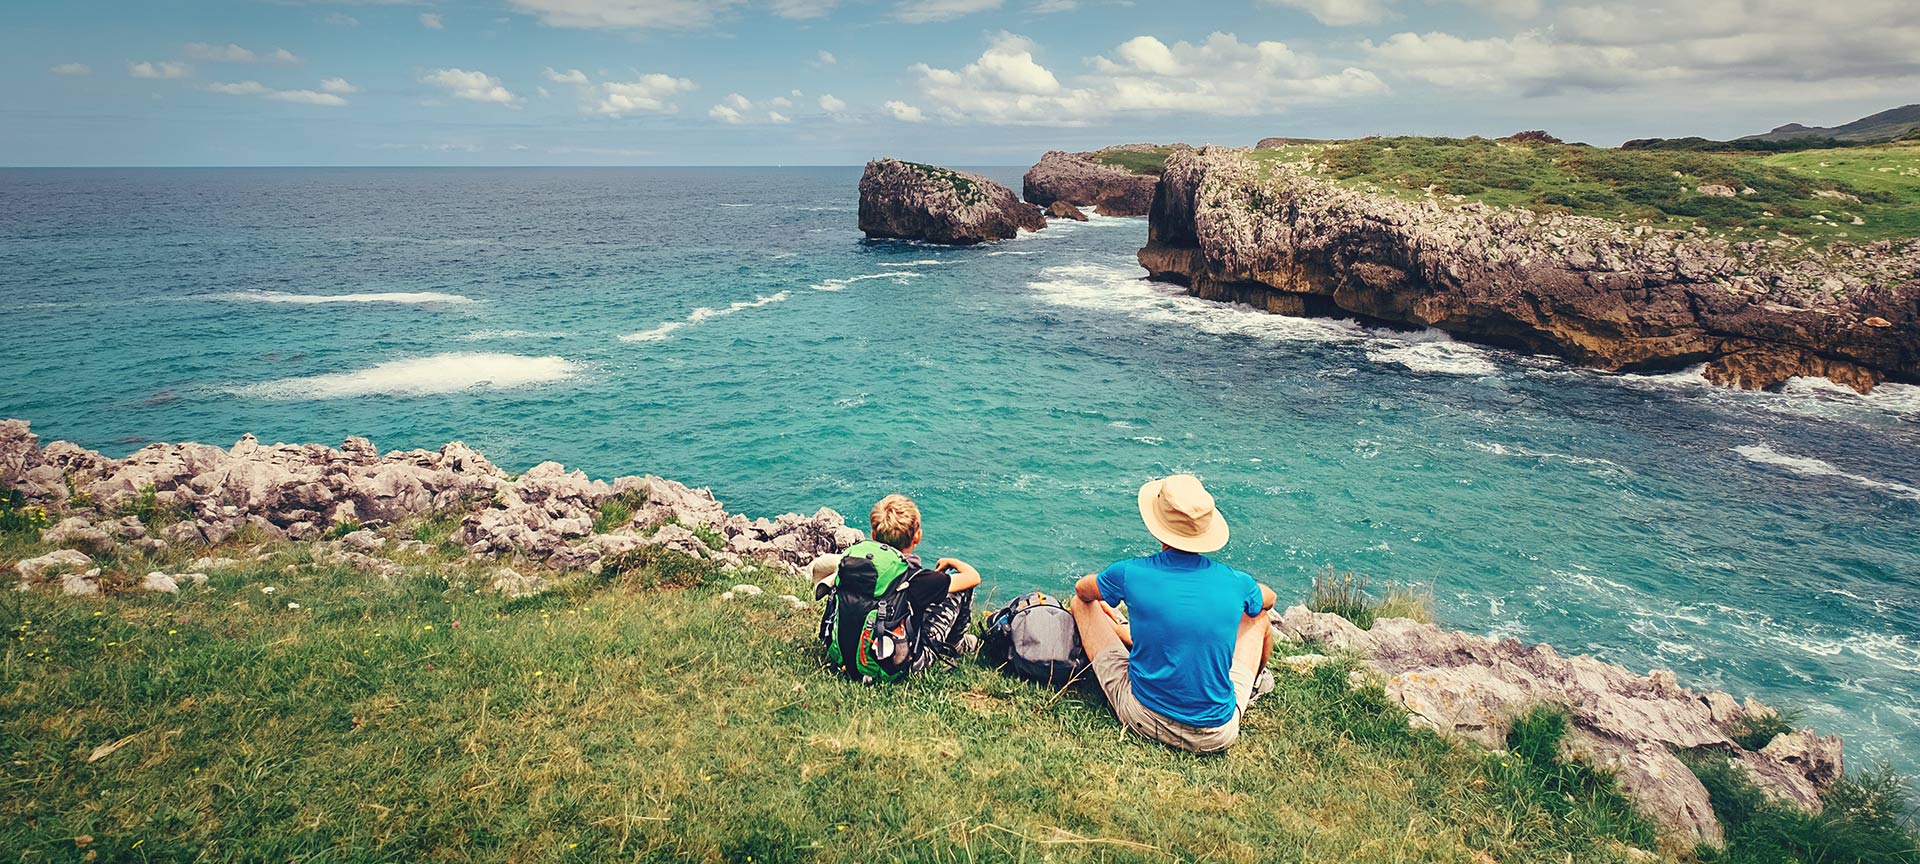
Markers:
{"x": 1064, "y": 210}
{"x": 913, "y": 201}
{"x": 35, "y": 570}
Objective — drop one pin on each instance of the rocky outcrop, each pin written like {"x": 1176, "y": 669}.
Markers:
{"x": 1063, "y": 210}
{"x": 1603, "y": 294}
{"x": 1078, "y": 179}
{"x": 195, "y": 494}
{"x": 1471, "y": 687}
{"x": 912, "y": 201}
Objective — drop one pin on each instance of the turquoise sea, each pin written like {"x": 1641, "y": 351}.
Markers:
{"x": 730, "y": 328}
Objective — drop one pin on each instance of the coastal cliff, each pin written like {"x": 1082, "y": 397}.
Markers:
{"x": 912, "y": 201}
{"x": 1281, "y": 235}
{"x": 1101, "y": 179}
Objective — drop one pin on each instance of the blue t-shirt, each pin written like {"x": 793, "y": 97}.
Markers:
{"x": 1186, "y": 611}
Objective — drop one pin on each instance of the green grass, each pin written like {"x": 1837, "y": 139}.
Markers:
{"x": 1755, "y": 732}
{"x": 634, "y": 715}
{"x": 616, "y": 511}
{"x": 964, "y": 188}
{"x": 1352, "y": 596}
{"x": 1653, "y": 187}
{"x": 1866, "y": 819}
{"x": 1151, "y": 161}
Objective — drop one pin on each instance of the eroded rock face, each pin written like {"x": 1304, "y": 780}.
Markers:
{"x": 1079, "y": 180}
{"x": 1063, "y": 210}
{"x": 912, "y": 201}
{"x": 547, "y": 515}
{"x": 1472, "y": 687}
{"x": 1599, "y": 293}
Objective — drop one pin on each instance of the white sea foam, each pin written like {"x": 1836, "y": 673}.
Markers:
{"x": 486, "y": 335}
{"x": 1112, "y": 289}
{"x": 1808, "y": 466}
{"x": 924, "y": 262}
{"x": 899, "y": 277}
{"x": 416, "y": 298}
{"x": 1439, "y": 355}
{"x": 420, "y": 376}
{"x": 1000, "y": 252}
{"x": 1499, "y": 449}
{"x": 704, "y": 313}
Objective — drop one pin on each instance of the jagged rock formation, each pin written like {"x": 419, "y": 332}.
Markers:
{"x": 301, "y": 492}
{"x": 1064, "y": 210}
{"x": 1079, "y": 180}
{"x": 1621, "y": 298}
{"x": 911, "y": 201}
{"x": 1473, "y": 688}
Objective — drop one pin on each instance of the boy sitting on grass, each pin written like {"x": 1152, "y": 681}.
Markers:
{"x": 941, "y": 597}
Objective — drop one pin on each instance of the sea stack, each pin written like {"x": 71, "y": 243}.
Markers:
{"x": 1083, "y": 180}
{"x": 912, "y": 201}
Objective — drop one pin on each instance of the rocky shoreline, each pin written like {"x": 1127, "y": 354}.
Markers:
{"x": 1281, "y": 237}
{"x": 105, "y": 533}
{"x": 1079, "y": 180}
{"x": 913, "y": 201}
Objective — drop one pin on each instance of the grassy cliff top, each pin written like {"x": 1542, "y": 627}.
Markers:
{"x": 1138, "y": 159}
{"x": 1858, "y": 193}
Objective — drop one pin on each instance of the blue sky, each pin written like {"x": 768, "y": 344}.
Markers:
{"x": 564, "y": 82}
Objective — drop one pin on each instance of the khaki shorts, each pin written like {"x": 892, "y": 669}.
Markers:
{"x": 1110, "y": 666}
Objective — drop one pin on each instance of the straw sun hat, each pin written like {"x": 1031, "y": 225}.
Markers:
{"x": 1180, "y": 513}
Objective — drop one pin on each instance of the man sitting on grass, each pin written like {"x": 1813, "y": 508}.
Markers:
{"x": 1183, "y": 671}
{"x": 941, "y": 597}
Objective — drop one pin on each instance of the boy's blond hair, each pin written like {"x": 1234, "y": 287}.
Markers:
{"x": 895, "y": 519}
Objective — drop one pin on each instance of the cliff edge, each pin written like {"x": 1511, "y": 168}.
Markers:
{"x": 912, "y": 201}
{"x": 1115, "y": 181}
{"x": 1282, "y": 236}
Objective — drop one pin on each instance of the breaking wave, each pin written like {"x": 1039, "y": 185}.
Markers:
{"x": 703, "y": 313}
{"x": 420, "y": 376}
{"x": 899, "y": 277}
{"x": 412, "y": 298}
{"x": 1808, "y": 466}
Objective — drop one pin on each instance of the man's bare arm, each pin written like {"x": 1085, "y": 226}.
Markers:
{"x": 1088, "y": 588}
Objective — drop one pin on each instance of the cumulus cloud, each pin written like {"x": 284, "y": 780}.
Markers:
{"x": 337, "y": 85}
{"x": 627, "y": 14}
{"x": 777, "y": 117}
{"x": 571, "y": 76}
{"x": 71, "y": 69}
{"x": 475, "y": 86}
{"x": 1048, "y": 7}
{"x": 802, "y": 9}
{"x": 825, "y": 58}
{"x": 231, "y": 53}
{"x": 159, "y": 69}
{"x": 922, "y": 11}
{"x": 1724, "y": 45}
{"x": 431, "y": 21}
{"x": 1222, "y": 76}
{"x": 647, "y": 94}
{"x": 343, "y": 20}
{"x": 305, "y": 97}
{"x": 726, "y": 114}
{"x": 903, "y": 112}
{"x": 1339, "y": 13}
{"x": 735, "y": 109}
{"x": 831, "y": 105}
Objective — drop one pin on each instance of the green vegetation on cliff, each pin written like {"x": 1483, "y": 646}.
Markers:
{"x": 1151, "y": 160}
{"x": 1856, "y": 193}
{"x": 291, "y": 710}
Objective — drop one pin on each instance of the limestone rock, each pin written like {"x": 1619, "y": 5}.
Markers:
{"x": 1064, "y": 210}
{"x": 514, "y": 584}
{"x": 1079, "y": 180}
{"x": 53, "y": 563}
{"x": 1600, "y": 293}
{"x": 158, "y": 581}
{"x": 75, "y": 532}
{"x": 911, "y": 201}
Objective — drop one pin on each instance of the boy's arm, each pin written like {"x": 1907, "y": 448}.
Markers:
{"x": 961, "y": 574}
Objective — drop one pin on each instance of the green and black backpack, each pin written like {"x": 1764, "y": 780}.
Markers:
{"x": 869, "y": 628}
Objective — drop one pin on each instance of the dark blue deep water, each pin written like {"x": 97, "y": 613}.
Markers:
{"x": 730, "y": 328}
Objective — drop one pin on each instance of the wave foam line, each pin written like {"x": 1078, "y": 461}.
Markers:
{"x": 1808, "y": 466}
{"x": 924, "y": 262}
{"x": 899, "y": 277}
{"x": 420, "y": 376}
{"x": 1111, "y": 289}
{"x": 416, "y": 298}
{"x": 703, "y": 313}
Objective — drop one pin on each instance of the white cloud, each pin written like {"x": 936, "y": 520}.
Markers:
{"x": 831, "y": 105}
{"x": 231, "y": 53}
{"x": 475, "y": 86}
{"x": 1339, "y": 13}
{"x": 648, "y": 93}
{"x": 306, "y": 97}
{"x": 922, "y": 11}
{"x": 343, "y": 20}
{"x": 1725, "y": 46}
{"x": 726, "y": 114}
{"x": 337, "y": 85}
{"x": 1221, "y": 76}
{"x": 777, "y": 117}
{"x": 801, "y": 9}
{"x": 71, "y": 69}
{"x": 825, "y": 58}
{"x": 903, "y": 112}
{"x": 1048, "y": 7}
{"x": 571, "y": 76}
{"x": 431, "y": 21}
{"x": 780, "y": 102}
{"x": 160, "y": 69}
{"x": 627, "y": 14}
{"x": 737, "y": 102}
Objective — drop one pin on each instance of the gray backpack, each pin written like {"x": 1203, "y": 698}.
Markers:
{"x": 1035, "y": 638}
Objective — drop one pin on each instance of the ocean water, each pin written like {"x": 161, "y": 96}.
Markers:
{"x": 730, "y": 328}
